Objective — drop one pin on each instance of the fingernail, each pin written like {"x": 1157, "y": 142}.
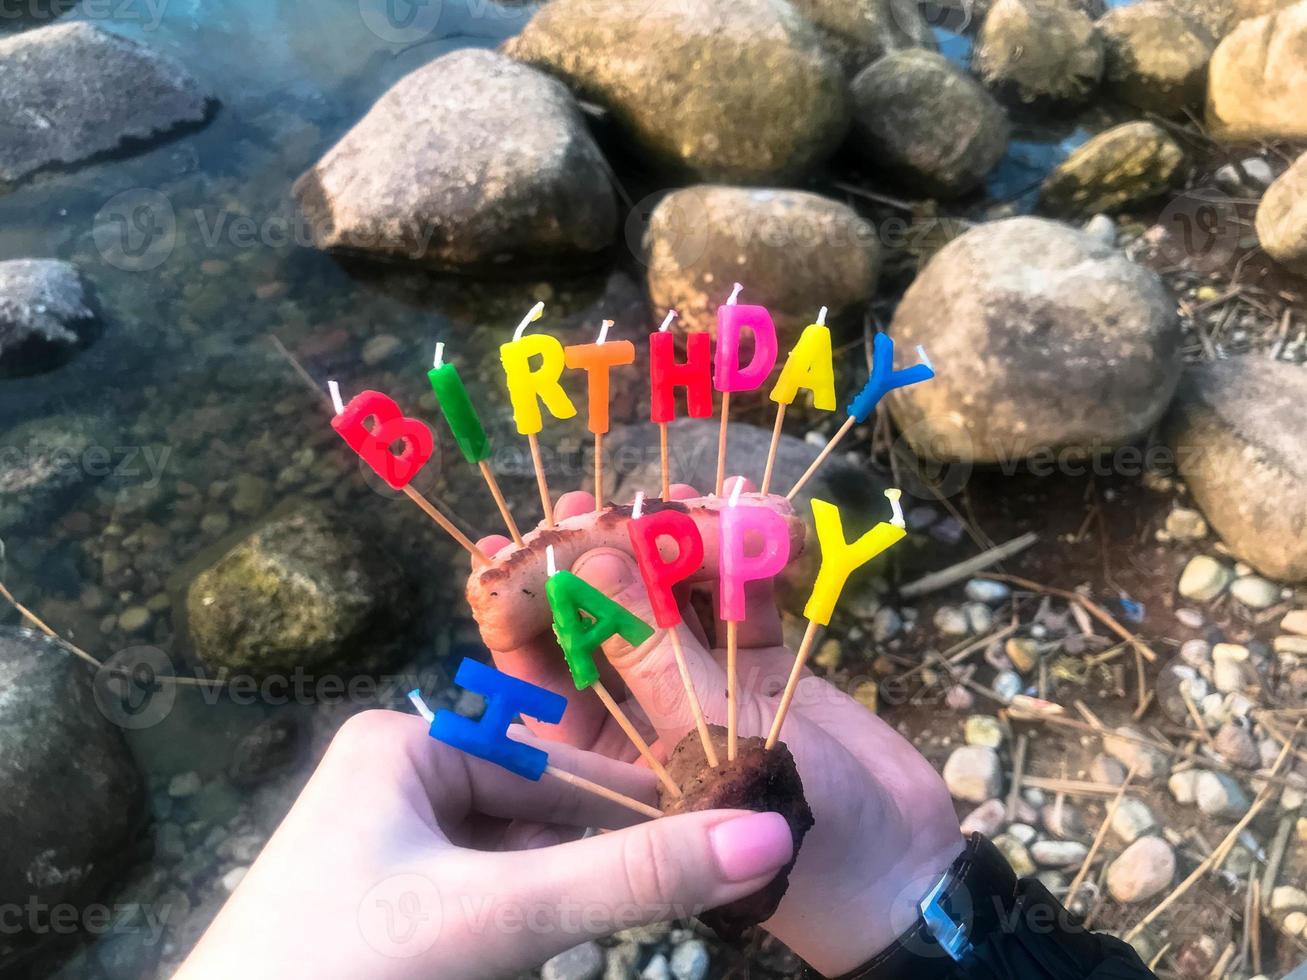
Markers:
{"x": 752, "y": 846}
{"x": 608, "y": 571}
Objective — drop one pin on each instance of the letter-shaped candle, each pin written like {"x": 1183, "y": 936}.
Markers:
{"x": 885, "y": 379}
{"x": 597, "y": 360}
{"x": 528, "y": 386}
{"x": 810, "y": 365}
{"x": 506, "y": 697}
{"x": 584, "y": 618}
{"x": 659, "y": 574}
{"x": 389, "y": 427}
{"x": 741, "y": 526}
{"x": 733, "y": 319}
{"x": 840, "y": 558}
{"x": 457, "y": 408}
{"x": 666, "y": 375}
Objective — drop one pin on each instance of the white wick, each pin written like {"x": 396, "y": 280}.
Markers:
{"x": 603, "y": 331}
{"x": 821, "y": 316}
{"x": 667, "y": 320}
{"x": 440, "y": 355}
{"x": 893, "y": 496}
{"x": 416, "y": 697}
{"x": 637, "y": 507}
{"x": 735, "y": 494}
{"x": 921, "y": 353}
{"x": 550, "y": 566}
{"x": 532, "y": 315}
{"x": 735, "y": 294}
{"x": 335, "y": 397}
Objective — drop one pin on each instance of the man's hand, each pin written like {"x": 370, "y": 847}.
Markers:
{"x": 885, "y": 827}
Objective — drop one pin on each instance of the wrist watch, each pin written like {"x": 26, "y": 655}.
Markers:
{"x": 981, "y": 921}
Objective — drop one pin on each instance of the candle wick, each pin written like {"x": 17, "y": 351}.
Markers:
{"x": 440, "y": 354}
{"x": 550, "y": 566}
{"x": 416, "y": 697}
{"x": 821, "y": 317}
{"x": 637, "y": 508}
{"x": 335, "y": 396}
{"x": 532, "y": 315}
{"x": 921, "y": 353}
{"x": 893, "y": 494}
{"x": 667, "y": 320}
{"x": 735, "y": 494}
{"x": 603, "y": 331}
{"x": 735, "y": 294}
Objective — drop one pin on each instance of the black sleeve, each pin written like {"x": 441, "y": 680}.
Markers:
{"x": 1041, "y": 940}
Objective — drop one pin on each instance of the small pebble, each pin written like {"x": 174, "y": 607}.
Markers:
{"x": 583, "y": 962}
{"x": 1236, "y": 745}
{"x": 1007, "y": 684}
{"x": 1133, "y": 819}
{"x": 1017, "y": 855}
{"x": 233, "y": 878}
{"x": 1183, "y": 524}
{"x": 980, "y": 618}
{"x": 1144, "y": 869}
{"x": 973, "y": 773}
{"x": 1196, "y": 653}
{"x": 987, "y": 819}
{"x": 988, "y": 591}
{"x": 1148, "y": 762}
{"x": 1204, "y": 578}
{"x": 1218, "y": 795}
{"x": 134, "y": 619}
{"x": 690, "y": 960}
{"x": 952, "y": 621}
{"x": 886, "y": 624}
{"x": 184, "y": 785}
{"x": 1058, "y": 853}
{"x": 1106, "y": 770}
{"x": 983, "y": 730}
{"x": 1023, "y": 832}
{"x": 1294, "y": 646}
{"x": 1023, "y": 652}
{"x": 1183, "y": 785}
{"x": 1295, "y": 622}
{"x": 1255, "y": 592}
{"x": 1190, "y": 618}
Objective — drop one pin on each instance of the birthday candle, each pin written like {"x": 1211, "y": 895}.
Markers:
{"x": 733, "y": 321}
{"x": 666, "y": 374}
{"x": 389, "y": 426}
{"x": 458, "y": 410}
{"x": 885, "y": 379}
{"x": 741, "y": 527}
{"x": 809, "y": 365}
{"x": 506, "y": 698}
{"x": 584, "y": 619}
{"x": 839, "y": 558}
{"x": 678, "y": 529}
{"x": 597, "y": 360}
{"x": 528, "y": 386}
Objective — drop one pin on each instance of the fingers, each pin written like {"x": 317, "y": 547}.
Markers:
{"x": 493, "y": 544}
{"x": 656, "y": 871}
{"x": 573, "y": 503}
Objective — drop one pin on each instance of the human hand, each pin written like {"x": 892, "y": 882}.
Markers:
{"x": 885, "y": 826}
{"x": 405, "y": 858}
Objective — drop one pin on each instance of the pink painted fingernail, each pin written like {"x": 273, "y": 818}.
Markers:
{"x": 752, "y": 846}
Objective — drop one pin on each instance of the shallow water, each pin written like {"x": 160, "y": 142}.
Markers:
{"x": 196, "y": 258}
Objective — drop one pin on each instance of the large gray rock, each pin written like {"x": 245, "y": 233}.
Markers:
{"x": 44, "y": 462}
{"x": 1122, "y": 166}
{"x": 1043, "y": 337}
{"x": 1039, "y": 52}
{"x": 1282, "y": 218}
{"x": 740, "y": 91}
{"x": 924, "y": 122}
{"x": 1257, "y": 79}
{"x": 795, "y": 251}
{"x": 1156, "y": 57}
{"x": 472, "y": 161}
{"x": 1237, "y": 432}
{"x": 71, "y": 798}
{"x": 858, "y": 32}
{"x": 305, "y": 590}
{"x": 73, "y": 91}
{"x": 44, "y": 314}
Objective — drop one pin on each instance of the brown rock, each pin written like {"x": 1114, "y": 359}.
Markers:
{"x": 1257, "y": 79}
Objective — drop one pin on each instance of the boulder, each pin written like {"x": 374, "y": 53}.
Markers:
{"x": 1282, "y": 218}
{"x": 1120, "y": 167}
{"x": 304, "y": 591}
{"x": 1039, "y": 52}
{"x": 1236, "y": 431}
{"x": 1156, "y": 57}
{"x": 44, "y": 462}
{"x": 926, "y": 123}
{"x": 1219, "y": 17}
{"x": 73, "y": 92}
{"x": 44, "y": 314}
{"x": 72, "y": 801}
{"x": 1068, "y": 345}
{"x": 740, "y": 91}
{"x": 472, "y": 162}
{"x": 857, "y": 32}
{"x": 1257, "y": 79}
{"x": 796, "y": 250}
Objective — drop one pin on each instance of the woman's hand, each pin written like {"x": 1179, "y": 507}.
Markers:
{"x": 885, "y": 826}
{"x": 381, "y": 869}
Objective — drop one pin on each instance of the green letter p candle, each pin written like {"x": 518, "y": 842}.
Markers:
{"x": 458, "y": 411}
{"x": 583, "y": 619}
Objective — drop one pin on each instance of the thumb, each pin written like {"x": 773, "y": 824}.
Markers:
{"x": 673, "y": 867}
